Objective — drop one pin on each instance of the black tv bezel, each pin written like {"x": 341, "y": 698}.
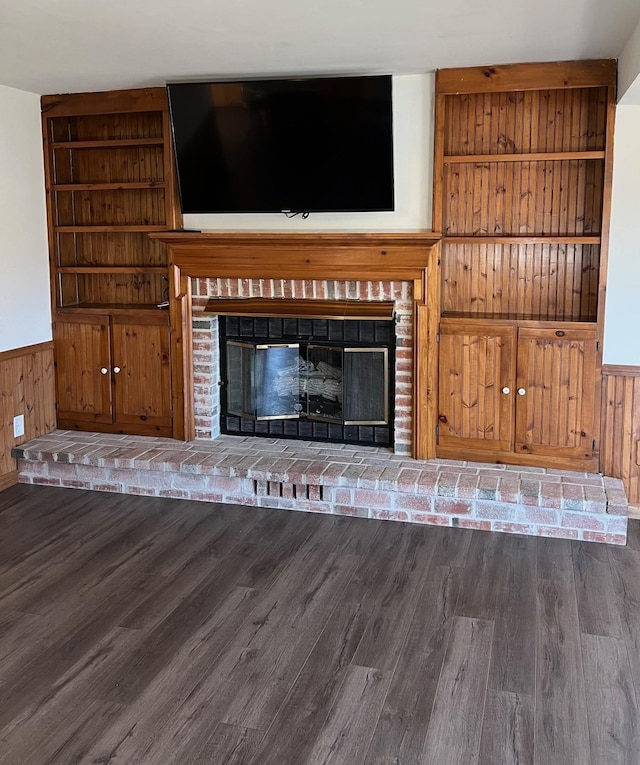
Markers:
{"x": 288, "y": 212}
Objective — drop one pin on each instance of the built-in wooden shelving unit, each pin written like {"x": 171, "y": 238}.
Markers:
{"x": 521, "y": 195}
{"x": 110, "y": 182}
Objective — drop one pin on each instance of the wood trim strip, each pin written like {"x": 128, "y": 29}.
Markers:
{"x": 8, "y": 479}
{"x": 111, "y": 102}
{"x": 26, "y": 350}
{"x": 509, "y": 77}
{"x": 620, "y": 370}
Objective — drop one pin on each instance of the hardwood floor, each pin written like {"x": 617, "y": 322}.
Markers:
{"x": 151, "y": 631}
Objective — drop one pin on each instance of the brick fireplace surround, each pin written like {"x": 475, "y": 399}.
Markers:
{"x": 339, "y": 479}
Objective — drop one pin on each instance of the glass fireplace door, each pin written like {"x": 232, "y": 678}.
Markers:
{"x": 263, "y": 380}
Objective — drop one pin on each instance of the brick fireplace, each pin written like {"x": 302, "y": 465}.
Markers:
{"x": 206, "y": 357}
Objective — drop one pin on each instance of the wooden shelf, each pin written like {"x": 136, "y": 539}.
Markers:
{"x": 553, "y": 156}
{"x": 523, "y": 320}
{"x": 113, "y": 186}
{"x": 107, "y": 308}
{"x": 510, "y": 239}
{"x": 107, "y": 143}
{"x": 106, "y": 229}
{"x": 111, "y": 269}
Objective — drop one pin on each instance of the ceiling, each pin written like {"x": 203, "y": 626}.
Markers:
{"x": 58, "y": 46}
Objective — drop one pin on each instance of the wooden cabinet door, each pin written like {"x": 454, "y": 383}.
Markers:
{"x": 142, "y": 373}
{"x": 477, "y": 361}
{"x": 556, "y": 385}
{"x": 83, "y": 365}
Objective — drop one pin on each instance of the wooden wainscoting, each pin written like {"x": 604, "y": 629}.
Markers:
{"x": 620, "y": 432}
{"x": 26, "y": 387}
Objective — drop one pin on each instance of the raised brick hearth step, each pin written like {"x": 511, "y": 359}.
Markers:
{"x": 330, "y": 478}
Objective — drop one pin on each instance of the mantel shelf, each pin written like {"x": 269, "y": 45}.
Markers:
{"x": 270, "y": 255}
{"x": 308, "y": 309}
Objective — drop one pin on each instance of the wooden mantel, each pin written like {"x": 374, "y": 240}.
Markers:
{"x": 411, "y": 256}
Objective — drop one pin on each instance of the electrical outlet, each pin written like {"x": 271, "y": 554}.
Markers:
{"x": 18, "y": 426}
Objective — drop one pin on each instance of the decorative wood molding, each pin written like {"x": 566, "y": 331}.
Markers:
{"x": 341, "y": 256}
{"x": 111, "y": 102}
{"x": 553, "y": 75}
{"x": 622, "y": 370}
{"x": 17, "y": 353}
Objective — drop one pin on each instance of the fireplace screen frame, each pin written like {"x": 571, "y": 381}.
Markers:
{"x": 248, "y": 382}
{"x": 306, "y": 337}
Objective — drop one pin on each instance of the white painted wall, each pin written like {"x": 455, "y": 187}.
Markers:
{"x": 629, "y": 70}
{"x": 25, "y": 315}
{"x": 622, "y": 311}
{"x": 413, "y": 164}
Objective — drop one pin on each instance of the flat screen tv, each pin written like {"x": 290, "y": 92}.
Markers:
{"x": 294, "y": 145}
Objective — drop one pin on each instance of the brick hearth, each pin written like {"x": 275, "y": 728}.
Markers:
{"x": 329, "y": 478}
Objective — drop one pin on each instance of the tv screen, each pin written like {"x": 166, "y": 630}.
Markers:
{"x": 303, "y": 145}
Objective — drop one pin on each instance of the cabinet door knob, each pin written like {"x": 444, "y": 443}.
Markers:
{"x": 104, "y": 371}
{"x": 116, "y": 370}
{"x": 521, "y": 391}
{"x": 506, "y": 390}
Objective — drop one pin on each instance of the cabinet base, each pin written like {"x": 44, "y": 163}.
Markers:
{"x": 511, "y": 458}
{"x": 161, "y": 431}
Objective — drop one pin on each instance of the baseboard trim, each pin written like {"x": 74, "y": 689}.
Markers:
{"x": 634, "y": 512}
{"x": 8, "y": 479}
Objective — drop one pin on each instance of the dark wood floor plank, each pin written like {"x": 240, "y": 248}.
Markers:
{"x": 555, "y": 559}
{"x": 633, "y": 535}
{"x": 314, "y": 691}
{"x": 229, "y": 745}
{"x": 597, "y": 600}
{"x": 481, "y": 572}
{"x": 625, "y": 565}
{"x": 514, "y": 637}
{"x": 450, "y": 546}
{"x": 508, "y": 729}
{"x": 62, "y": 739}
{"x": 345, "y": 736}
{"x": 99, "y": 556}
{"x": 270, "y": 664}
{"x": 611, "y": 702}
{"x": 562, "y": 733}
{"x": 396, "y": 588}
{"x": 453, "y": 735}
{"x": 401, "y": 730}
{"x": 68, "y": 696}
{"x": 151, "y": 720}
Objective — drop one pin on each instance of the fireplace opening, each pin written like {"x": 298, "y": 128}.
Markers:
{"x": 313, "y": 379}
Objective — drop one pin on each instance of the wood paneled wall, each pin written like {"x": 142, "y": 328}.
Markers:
{"x": 26, "y": 387}
{"x": 620, "y": 432}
